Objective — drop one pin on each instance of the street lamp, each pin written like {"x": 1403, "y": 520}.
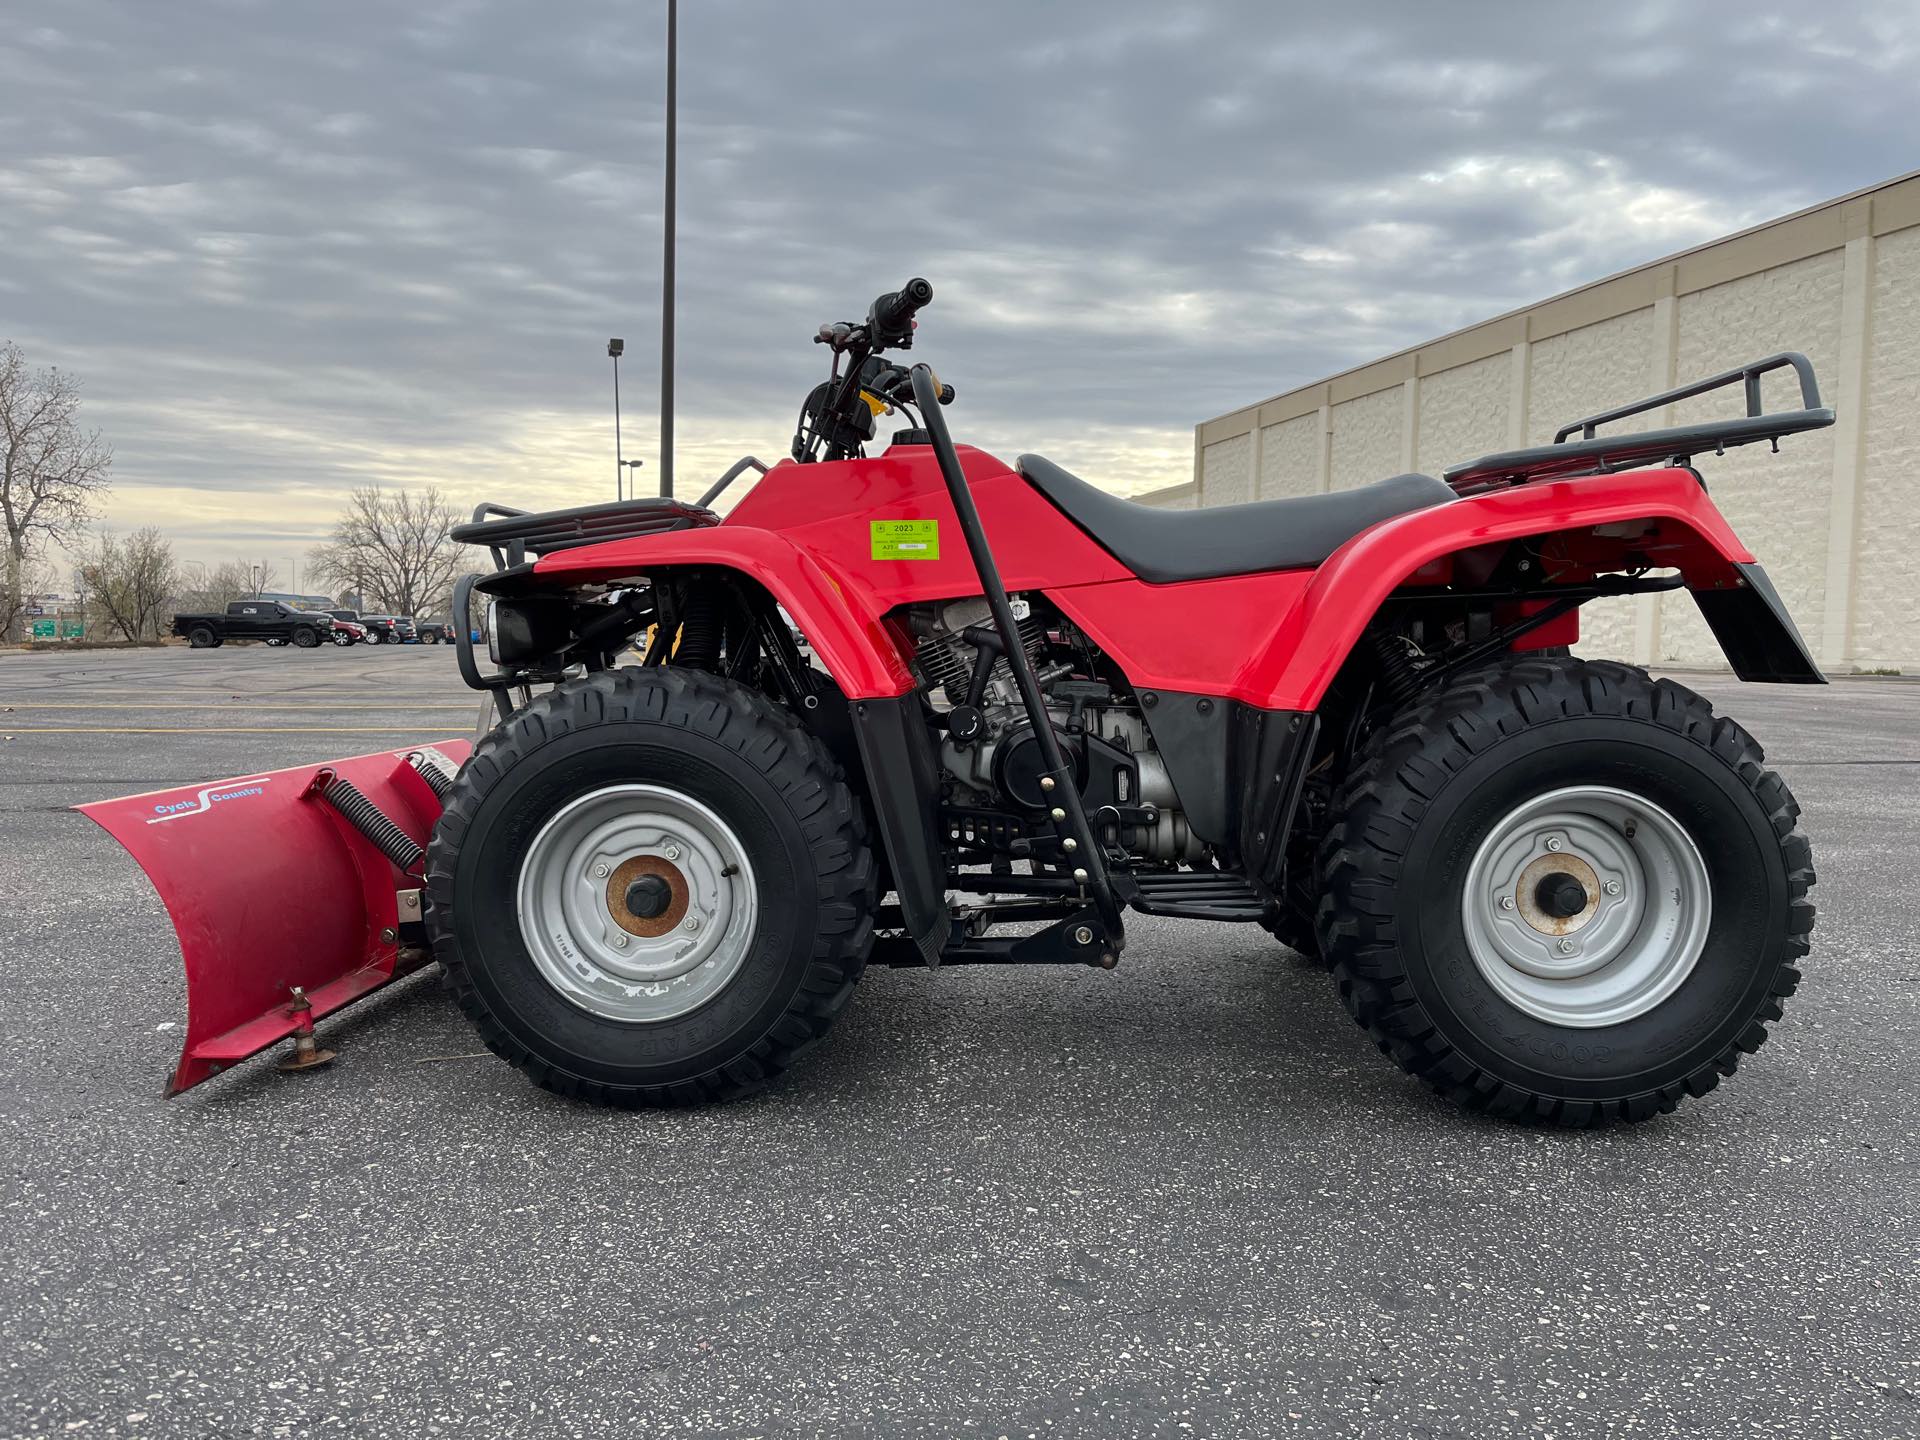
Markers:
{"x": 615, "y": 348}
{"x": 633, "y": 479}
{"x": 666, "y": 266}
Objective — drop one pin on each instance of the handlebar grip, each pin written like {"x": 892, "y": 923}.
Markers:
{"x": 894, "y": 311}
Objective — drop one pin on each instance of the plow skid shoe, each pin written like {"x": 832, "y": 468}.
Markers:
{"x": 285, "y": 911}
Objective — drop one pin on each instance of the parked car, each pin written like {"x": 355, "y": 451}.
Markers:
{"x": 381, "y": 629}
{"x": 269, "y": 620}
{"x": 347, "y": 627}
{"x": 404, "y": 628}
{"x": 436, "y": 632}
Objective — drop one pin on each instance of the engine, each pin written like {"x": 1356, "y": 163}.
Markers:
{"x": 992, "y": 761}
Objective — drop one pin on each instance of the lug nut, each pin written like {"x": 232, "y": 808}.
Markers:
{"x": 600, "y": 872}
{"x": 1506, "y": 902}
{"x": 1612, "y": 887}
{"x": 693, "y": 922}
{"x": 620, "y": 941}
{"x": 1553, "y": 842}
{"x": 672, "y": 852}
{"x": 1566, "y": 947}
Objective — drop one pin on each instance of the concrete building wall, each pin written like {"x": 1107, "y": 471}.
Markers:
{"x": 1834, "y": 516}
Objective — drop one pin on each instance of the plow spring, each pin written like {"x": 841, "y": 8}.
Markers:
{"x": 293, "y": 893}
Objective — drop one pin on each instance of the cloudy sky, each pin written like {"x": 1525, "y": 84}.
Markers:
{"x": 295, "y": 248}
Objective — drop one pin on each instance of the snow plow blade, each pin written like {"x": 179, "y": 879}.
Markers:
{"x": 290, "y": 892}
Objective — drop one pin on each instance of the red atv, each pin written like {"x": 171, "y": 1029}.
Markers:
{"x": 924, "y": 708}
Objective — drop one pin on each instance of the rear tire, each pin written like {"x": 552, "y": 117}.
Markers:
{"x": 1470, "y": 991}
{"x": 201, "y": 637}
{"x": 306, "y": 638}
{"x": 643, "y": 756}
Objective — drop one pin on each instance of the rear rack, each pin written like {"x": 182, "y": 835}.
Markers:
{"x": 1594, "y": 454}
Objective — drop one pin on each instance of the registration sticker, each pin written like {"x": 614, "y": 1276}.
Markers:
{"x": 906, "y": 539}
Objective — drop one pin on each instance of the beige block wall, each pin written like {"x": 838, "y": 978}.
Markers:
{"x": 1585, "y": 371}
{"x": 1778, "y": 504}
{"x": 1464, "y": 412}
{"x": 1366, "y": 438}
{"x": 1290, "y": 457}
{"x": 1226, "y": 472}
{"x": 1834, "y": 515}
{"x": 1887, "y": 561}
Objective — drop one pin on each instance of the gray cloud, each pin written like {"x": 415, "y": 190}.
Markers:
{"x": 291, "y": 248}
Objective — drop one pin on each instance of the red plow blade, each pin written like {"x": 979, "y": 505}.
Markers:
{"x": 285, "y": 908}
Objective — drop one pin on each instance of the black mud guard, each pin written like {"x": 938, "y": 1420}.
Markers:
{"x": 1754, "y": 629}
{"x": 903, "y": 793}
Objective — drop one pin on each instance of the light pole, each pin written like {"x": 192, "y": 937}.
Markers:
{"x": 666, "y": 269}
{"x": 633, "y": 480}
{"x": 615, "y": 348}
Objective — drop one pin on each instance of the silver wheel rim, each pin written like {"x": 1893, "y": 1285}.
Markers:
{"x": 1637, "y": 936}
{"x": 591, "y": 948}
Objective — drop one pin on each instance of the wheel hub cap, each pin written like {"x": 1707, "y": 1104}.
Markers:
{"x": 1586, "y": 906}
{"x": 637, "y": 903}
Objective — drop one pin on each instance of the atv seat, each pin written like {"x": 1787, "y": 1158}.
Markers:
{"x": 1163, "y": 546}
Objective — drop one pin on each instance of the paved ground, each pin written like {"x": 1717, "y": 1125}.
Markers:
{"x": 1182, "y": 1199}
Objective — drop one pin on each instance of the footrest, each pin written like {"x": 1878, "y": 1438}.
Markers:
{"x": 1199, "y": 895}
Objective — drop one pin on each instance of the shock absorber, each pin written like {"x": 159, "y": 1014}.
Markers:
{"x": 1399, "y": 678}
{"x": 702, "y": 626}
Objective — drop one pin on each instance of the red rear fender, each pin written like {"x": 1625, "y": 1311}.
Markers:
{"x": 1276, "y": 640}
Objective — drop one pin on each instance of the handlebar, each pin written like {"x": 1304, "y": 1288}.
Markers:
{"x": 895, "y": 310}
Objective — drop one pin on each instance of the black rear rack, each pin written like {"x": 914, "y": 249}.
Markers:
{"x": 1594, "y": 454}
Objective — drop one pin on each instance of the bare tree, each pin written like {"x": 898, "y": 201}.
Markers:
{"x": 228, "y": 581}
{"x": 52, "y": 473}
{"x": 35, "y": 578}
{"x": 132, "y": 580}
{"x": 392, "y": 548}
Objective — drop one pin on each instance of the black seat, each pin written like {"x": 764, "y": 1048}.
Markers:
{"x": 1167, "y": 545}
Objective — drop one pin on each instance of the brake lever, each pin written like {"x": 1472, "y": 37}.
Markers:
{"x": 840, "y": 335}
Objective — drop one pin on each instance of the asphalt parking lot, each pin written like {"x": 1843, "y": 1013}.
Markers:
{"x": 1185, "y": 1198}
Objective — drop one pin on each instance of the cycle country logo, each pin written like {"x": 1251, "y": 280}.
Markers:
{"x": 209, "y": 797}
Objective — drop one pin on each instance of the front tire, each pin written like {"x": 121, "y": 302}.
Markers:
{"x": 716, "y": 800}
{"x": 1563, "y": 891}
{"x": 306, "y": 639}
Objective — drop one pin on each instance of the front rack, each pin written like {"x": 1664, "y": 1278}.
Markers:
{"x": 1596, "y": 454}
{"x": 512, "y": 535}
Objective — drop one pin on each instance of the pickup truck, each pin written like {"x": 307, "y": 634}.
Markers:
{"x": 268, "y": 620}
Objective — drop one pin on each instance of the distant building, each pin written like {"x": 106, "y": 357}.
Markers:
{"x": 1835, "y": 516}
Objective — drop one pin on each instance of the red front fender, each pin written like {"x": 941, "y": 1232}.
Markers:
{"x": 850, "y": 640}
